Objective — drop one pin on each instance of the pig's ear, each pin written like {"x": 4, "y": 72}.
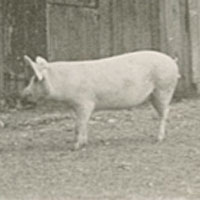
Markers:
{"x": 34, "y": 66}
{"x": 41, "y": 61}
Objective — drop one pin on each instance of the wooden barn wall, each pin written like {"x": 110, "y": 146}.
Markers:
{"x": 90, "y": 29}
{"x": 113, "y": 27}
{"x": 176, "y": 39}
{"x": 80, "y": 31}
{"x": 73, "y": 30}
{"x": 134, "y": 25}
{"x": 24, "y": 32}
{"x": 128, "y": 25}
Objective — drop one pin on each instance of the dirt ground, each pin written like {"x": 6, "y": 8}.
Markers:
{"x": 123, "y": 161}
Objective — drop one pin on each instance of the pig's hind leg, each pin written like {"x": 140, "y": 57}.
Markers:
{"x": 160, "y": 100}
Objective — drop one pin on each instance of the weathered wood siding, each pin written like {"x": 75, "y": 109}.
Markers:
{"x": 131, "y": 22}
{"x": 81, "y": 31}
{"x": 73, "y": 30}
{"x": 90, "y": 29}
{"x": 78, "y": 31}
{"x": 180, "y": 28}
{"x": 194, "y": 30}
{"x": 24, "y": 32}
{"x": 1, "y": 52}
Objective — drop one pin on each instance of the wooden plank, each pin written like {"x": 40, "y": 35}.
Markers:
{"x": 127, "y": 26}
{"x": 186, "y": 64}
{"x": 163, "y": 31}
{"x": 131, "y": 21}
{"x": 154, "y": 24}
{"x": 131, "y": 25}
{"x": 170, "y": 30}
{"x": 59, "y": 36}
{"x": 138, "y": 25}
{"x": 77, "y": 33}
{"x": 172, "y": 36}
{"x": 105, "y": 28}
{"x": 72, "y": 32}
{"x": 146, "y": 36}
{"x": 83, "y": 33}
{"x": 82, "y": 3}
{"x": 143, "y": 37}
{"x": 50, "y": 55}
{"x": 1, "y": 55}
{"x": 117, "y": 45}
{"x": 91, "y": 37}
{"x": 173, "y": 28}
{"x": 135, "y": 26}
{"x": 197, "y": 79}
{"x": 194, "y": 19}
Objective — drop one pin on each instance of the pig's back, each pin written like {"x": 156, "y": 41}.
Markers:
{"x": 116, "y": 82}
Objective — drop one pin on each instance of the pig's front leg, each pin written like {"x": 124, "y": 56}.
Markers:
{"x": 83, "y": 113}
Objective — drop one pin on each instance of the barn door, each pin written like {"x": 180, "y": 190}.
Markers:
{"x": 72, "y": 29}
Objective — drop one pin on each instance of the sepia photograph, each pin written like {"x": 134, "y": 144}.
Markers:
{"x": 99, "y": 99}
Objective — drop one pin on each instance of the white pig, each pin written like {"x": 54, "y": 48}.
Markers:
{"x": 118, "y": 82}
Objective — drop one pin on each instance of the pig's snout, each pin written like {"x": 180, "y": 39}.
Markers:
{"x": 26, "y": 99}
{"x": 26, "y": 96}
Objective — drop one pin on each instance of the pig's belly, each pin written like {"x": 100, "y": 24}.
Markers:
{"x": 122, "y": 99}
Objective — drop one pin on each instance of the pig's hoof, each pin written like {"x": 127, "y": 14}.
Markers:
{"x": 79, "y": 145}
{"x": 161, "y": 138}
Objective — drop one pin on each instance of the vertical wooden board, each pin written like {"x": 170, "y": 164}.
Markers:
{"x": 105, "y": 28}
{"x": 91, "y": 46}
{"x": 178, "y": 43}
{"x": 136, "y": 31}
{"x": 117, "y": 45}
{"x": 52, "y": 36}
{"x": 83, "y": 32}
{"x": 155, "y": 24}
{"x": 143, "y": 24}
{"x": 23, "y": 23}
{"x": 138, "y": 25}
{"x": 194, "y": 18}
{"x": 77, "y": 31}
{"x": 72, "y": 32}
{"x": 129, "y": 31}
{"x": 132, "y": 25}
{"x": 172, "y": 30}
{"x": 40, "y": 24}
{"x": 185, "y": 48}
{"x": 61, "y": 33}
{"x": 49, "y": 39}
{"x": 7, "y": 40}
{"x": 162, "y": 24}
{"x": 172, "y": 35}
{"x": 197, "y": 79}
{"x": 146, "y": 37}
{"x": 173, "y": 27}
{"x": 1, "y": 54}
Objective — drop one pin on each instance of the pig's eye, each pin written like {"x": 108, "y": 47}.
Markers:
{"x": 35, "y": 79}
